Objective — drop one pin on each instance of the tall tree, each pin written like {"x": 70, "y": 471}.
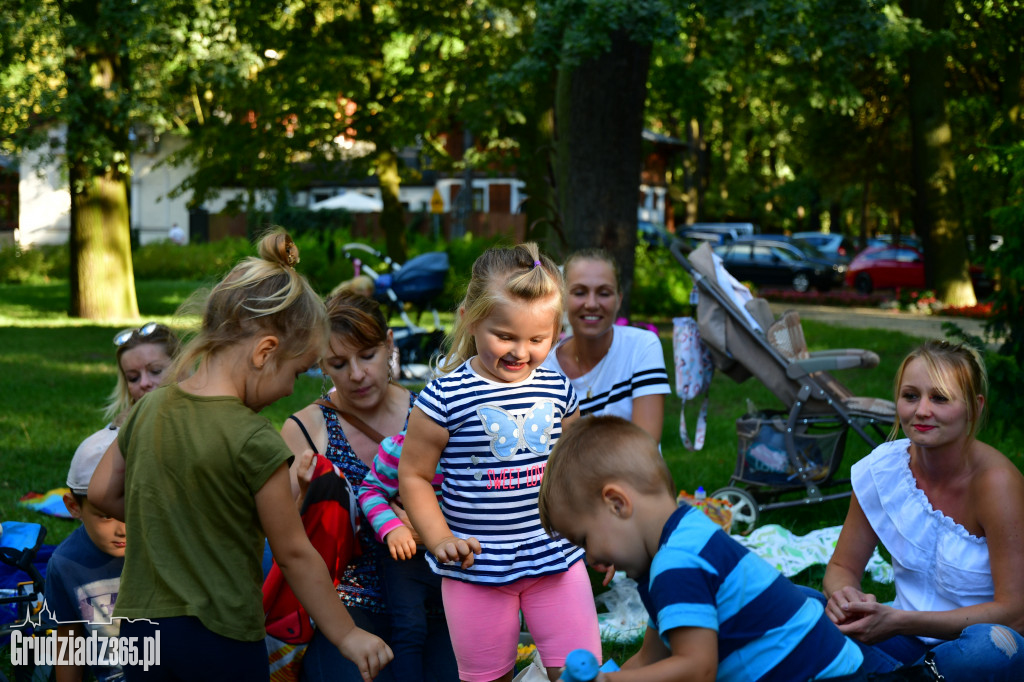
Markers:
{"x": 933, "y": 175}
{"x": 98, "y": 110}
{"x": 95, "y": 68}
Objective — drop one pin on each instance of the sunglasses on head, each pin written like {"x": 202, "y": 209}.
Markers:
{"x": 142, "y": 332}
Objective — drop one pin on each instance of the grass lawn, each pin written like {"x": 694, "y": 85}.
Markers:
{"x": 56, "y": 373}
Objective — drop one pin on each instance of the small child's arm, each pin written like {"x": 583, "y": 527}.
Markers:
{"x": 424, "y": 443}
{"x": 307, "y": 575}
{"x": 106, "y": 488}
{"x": 69, "y": 673}
{"x": 379, "y": 487}
{"x": 691, "y": 657}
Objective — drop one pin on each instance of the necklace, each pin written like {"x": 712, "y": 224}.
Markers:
{"x": 594, "y": 373}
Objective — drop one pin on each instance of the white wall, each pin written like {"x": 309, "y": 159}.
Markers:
{"x": 44, "y": 201}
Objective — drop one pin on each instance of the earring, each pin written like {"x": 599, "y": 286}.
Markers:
{"x": 323, "y": 382}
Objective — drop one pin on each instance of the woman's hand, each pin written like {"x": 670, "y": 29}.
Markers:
{"x": 838, "y": 607}
{"x": 368, "y": 651}
{"x": 452, "y": 549}
{"x": 401, "y": 543}
{"x": 869, "y": 622}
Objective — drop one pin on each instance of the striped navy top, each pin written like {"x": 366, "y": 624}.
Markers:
{"x": 499, "y": 439}
{"x": 767, "y": 628}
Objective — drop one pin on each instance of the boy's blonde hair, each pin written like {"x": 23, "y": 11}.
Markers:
{"x": 518, "y": 273}
{"x": 593, "y": 452}
{"x": 260, "y": 296}
{"x": 957, "y": 370}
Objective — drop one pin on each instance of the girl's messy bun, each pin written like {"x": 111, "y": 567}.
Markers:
{"x": 260, "y": 296}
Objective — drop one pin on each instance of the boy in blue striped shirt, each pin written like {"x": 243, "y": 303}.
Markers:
{"x": 716, "y": 610}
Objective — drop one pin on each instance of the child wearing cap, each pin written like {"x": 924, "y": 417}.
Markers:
{"x": 84, "y": 573}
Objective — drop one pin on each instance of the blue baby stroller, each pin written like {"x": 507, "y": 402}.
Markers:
{"x": 416, "y": 284}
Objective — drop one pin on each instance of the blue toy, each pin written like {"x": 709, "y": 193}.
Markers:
{"x": 581, "y": 666}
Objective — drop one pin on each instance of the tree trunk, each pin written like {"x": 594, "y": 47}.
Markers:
{"x": 932, "y": 171}
{"x": 392, "y": 217}
{"x": 543, "y": 223}
{"x": 600, "y": 106}
{"x": 102, "y": 283}
{"x": 102, "y": 280}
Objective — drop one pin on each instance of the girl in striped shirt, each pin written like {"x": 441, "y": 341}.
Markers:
{"x": 490, "y": 421}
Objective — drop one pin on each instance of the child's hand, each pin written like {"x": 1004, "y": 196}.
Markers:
{"x": 453, "y": 549}
{"x": 401, "y": 543}
{"x": 607, "y": 569}
{"x": 368, "y": 651}
{"x": 399, "y": 510}
{"x": 305, "y": 466}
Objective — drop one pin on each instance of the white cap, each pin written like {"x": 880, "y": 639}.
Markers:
{"x": 87, "y": 456}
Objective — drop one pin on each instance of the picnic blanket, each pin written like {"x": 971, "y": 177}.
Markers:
{"x": 791, "y": 553}
{"x": 50, "y": 503}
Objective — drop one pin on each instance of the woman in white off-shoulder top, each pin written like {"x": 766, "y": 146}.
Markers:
{"x": 950, "y": 510}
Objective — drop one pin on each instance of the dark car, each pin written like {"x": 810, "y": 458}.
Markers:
{"x": 777, "y": 262}
{"x": 891, "y": 267}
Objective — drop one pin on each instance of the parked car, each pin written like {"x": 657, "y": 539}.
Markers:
{"x": 890, "y": 267}
{"x": 775, "y": 261}
{"x": 836, "y": 245}
{"x": 729, "y": 231}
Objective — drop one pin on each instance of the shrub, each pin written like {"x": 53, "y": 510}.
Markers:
{"x": 34, "y": 265}
{"x": 661, "y": 287}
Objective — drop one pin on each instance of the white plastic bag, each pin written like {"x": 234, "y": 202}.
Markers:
{"x": 626, "y": 619}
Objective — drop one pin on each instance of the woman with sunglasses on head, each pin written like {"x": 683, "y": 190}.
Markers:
{"x": 143, "y": 356}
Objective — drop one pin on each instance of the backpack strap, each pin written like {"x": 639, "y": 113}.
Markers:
{"x": 355, "y": 421}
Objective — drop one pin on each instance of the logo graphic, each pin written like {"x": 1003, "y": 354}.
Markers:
{"x": 94, "y": 649}
{"x": 509, "y": 434}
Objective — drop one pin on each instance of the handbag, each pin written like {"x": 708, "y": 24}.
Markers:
{"x": 693, "y": 376}
{"x": 925, "y": 671}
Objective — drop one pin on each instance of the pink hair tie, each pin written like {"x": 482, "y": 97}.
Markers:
{"x": 536, "y": 263}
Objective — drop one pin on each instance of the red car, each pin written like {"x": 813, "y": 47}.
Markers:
{"x": 889, "y": 267}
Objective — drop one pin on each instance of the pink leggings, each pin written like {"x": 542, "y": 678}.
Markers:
{"x": 484, "y": 621}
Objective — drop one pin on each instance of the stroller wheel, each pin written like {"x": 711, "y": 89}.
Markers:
{"x": 744, "y": 507}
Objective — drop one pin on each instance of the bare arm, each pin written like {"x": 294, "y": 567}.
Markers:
{"x": 70, "y": 673}
{"x": 106, "y": 488}
{"x": 649, "y": 414}
{"x": 845, "y": 570}
{"x": 307, "y": 575}
{"x": 692, "y": 656}
{"x": 424, "y": 442}
{"x": 301, "y": 468}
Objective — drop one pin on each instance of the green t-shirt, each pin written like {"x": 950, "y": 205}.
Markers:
{"x": 194, "y": 540}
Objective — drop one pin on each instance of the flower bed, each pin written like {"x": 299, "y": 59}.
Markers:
{"x": 912, "y": 301}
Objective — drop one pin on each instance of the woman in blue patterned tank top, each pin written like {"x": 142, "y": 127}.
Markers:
{"x": 358, "y": 363}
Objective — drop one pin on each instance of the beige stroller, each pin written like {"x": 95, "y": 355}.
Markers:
{"x": 797, "y": 449}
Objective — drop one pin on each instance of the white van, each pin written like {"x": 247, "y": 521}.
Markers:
{"x": 729, "y": 231}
